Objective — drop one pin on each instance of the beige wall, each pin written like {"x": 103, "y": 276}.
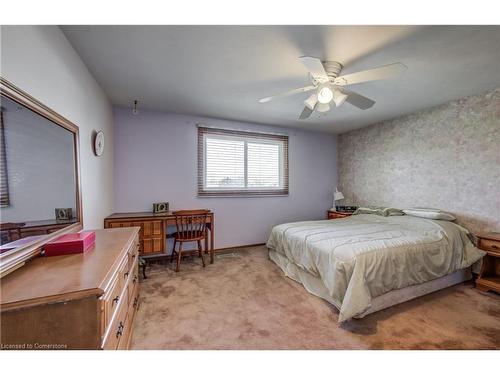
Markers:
{"x": 41, "y": 61}
{"x": 446, "y": 157}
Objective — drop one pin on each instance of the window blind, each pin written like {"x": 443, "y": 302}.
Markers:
{"x": 4, "y": 183}
{"x": 232, "y": 163}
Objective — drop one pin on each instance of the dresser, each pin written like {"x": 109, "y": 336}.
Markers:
{"x": 489, "y": 276}
{"x": 78, "y": 301}
{"x": 332, "y": 214}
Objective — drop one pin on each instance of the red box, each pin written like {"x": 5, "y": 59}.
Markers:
{"x": 72, "y": 243}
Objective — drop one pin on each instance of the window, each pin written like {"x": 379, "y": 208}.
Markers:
{"x": 232, "y": 163}
{"x": 4, "y": 183}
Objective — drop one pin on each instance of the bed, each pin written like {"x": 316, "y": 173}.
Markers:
{"x": 365, "y": 263}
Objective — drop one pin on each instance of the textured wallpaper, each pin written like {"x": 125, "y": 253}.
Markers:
{"x": 446, "y": 157}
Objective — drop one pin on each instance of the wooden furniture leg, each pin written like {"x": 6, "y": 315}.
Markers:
{"x": 179, "y": 257}
{"x": 212, "y": 226}
{"x": 173, "y": 251}
{"x": 206, "y": 240}
{"x": 143, "y": 264}
{"x": 200, "y": 253}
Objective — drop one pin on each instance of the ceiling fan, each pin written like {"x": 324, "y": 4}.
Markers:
{"x": 328, "y": 86}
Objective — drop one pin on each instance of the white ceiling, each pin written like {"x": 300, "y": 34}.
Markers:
{"x": 221, "y": 71}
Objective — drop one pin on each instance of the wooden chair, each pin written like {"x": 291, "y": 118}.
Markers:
{"x": 191, "y": 227}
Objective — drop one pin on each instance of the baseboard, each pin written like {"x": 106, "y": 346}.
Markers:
{"x": 220, "y": 250}
{"x": 226, "y": 249}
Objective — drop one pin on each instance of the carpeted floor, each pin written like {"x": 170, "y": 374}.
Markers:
{"x": 243, "y": 301}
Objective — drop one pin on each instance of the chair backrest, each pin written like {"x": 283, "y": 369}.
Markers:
{"x": 191, "y": 224}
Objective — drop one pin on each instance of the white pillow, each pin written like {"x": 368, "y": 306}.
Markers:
{"x": 430, "y": 213}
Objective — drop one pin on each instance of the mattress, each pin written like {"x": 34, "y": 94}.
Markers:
{"x": 362, "y": 257}
{"x": 315, "y": 286}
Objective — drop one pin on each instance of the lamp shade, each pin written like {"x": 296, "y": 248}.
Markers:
{"x": 338, "y": 195}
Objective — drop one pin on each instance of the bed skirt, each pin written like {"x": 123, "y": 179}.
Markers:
{"x": 315, "y": 286}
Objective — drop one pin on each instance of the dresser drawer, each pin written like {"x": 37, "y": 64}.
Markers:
{"x": 116, "y": 292}
{"x": 133, "y": 253}
{"x": 489, "y": 245}
{"x": 112, "y": 299}
{"x": 134, "y": 301}
{"x": 134, "y": 281}
{"x": 117, "y": 327}
{"x": 125, "y": 336}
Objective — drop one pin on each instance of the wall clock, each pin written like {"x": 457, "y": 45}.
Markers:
{"x": 99, "y": 143}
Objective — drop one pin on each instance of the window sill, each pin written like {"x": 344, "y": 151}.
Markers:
{"x": 224, "y": 194}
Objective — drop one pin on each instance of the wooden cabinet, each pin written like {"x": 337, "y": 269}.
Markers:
{"x": 79, "y": 301}
{"x": 489, "y": 276}
{"x": 337, "y": 214}
{"x": 151, "y": 233}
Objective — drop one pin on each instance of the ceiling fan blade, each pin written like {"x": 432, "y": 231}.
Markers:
{"x": 323, "y": 107}
{"x": 315, "y": 67}
{"x": 287, "y": 93}
{"x": 311, "y": 101}
{"x": 306, "y": 113}
{"x": 358, "y": 100}
{"x": 381, "y": 72}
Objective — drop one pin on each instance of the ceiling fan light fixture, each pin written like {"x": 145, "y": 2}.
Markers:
{"x": 323, "y": 107}
{"x": 339, "y": 97}
{"x": 325, "y": 94}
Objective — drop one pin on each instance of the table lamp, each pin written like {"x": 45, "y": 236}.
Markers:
{"x": 337, "y": 196}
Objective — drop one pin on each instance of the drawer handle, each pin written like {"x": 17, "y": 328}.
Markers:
{"x": 136, "y": 300}
{"x": 115, "y": 300}
{"x": 125, "y": 275}
{"x": 135, "y": 279}
{"x": 133, "y": 257}
{"x": 495, "y": 246}
{"x": 120, "y": 330}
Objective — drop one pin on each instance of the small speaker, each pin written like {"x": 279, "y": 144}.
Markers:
{"x": 160, "y": 207}
{"x": 64, "y": 214}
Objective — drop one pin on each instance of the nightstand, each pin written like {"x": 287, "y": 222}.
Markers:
{"x": 489, "y": 276}
{"x": 332, "y": 214}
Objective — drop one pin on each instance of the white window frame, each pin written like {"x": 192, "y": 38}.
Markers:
{"x": 246, "y": 137}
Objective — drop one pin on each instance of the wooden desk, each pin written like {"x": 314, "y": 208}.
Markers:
{"x": 38, "y": 227}
{"x": 152, "y": 235}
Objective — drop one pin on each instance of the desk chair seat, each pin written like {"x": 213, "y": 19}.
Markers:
{"x": 191, "y": 227}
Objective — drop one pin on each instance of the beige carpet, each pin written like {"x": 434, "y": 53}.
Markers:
{"x": 243, "y": 301}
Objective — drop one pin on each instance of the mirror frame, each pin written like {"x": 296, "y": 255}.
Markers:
{"x": 16, "y": 258}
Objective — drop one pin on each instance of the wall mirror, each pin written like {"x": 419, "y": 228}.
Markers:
{"x": 39, "y": 177}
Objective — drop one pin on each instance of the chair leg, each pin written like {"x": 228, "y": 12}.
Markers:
{"x": 206, "y": 241}
{"x": 173, "y": 252}
{"x": 200, "y": 253}
{"x": 179, "y": 257}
